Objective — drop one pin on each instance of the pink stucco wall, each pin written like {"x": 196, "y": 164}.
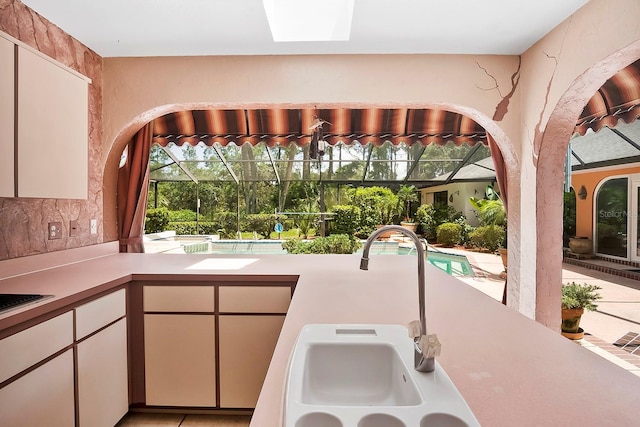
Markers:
{"x": 528, "y": 103}
{"x": 23, "y": 221}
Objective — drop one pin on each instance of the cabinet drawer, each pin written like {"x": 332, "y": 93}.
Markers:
{"x": 100, "y": 312}
{"x": 254, "y": 299}
{"x": 28, "y": 347}
{"x": 181, "y": 299}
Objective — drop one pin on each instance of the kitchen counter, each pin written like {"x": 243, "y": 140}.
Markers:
{"x": 510, "y": 369}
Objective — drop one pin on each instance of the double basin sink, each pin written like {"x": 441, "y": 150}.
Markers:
{"x": 362, "y": 375}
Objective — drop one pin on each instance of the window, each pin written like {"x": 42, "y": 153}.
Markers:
{"x": 440, "y": 198}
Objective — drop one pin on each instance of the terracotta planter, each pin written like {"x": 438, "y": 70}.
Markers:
{"x": 386, "y": 234}
{"x": 503, "y": 255}
{"x": 580, "y": 245}
{"x": 413, "y": 226}
{"x": 571, "y": 322}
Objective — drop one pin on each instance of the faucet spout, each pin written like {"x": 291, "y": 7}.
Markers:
{"x": 424, "y": 362}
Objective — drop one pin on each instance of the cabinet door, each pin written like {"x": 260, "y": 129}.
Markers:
{"x": 103, "y": 391}
{"x": 180, "y": 359}
{"x": 7, "y": 104}
{"x": 53, "y": 123}
{"x": 246, "y": 347}
{"x": 43, "y": 397}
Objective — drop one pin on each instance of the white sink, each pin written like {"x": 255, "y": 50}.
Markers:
{"x": 362, "y": 375}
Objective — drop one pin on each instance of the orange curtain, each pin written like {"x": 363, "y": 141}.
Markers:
{"x": 133, "y": 184}
{"x": 501, "y": 172}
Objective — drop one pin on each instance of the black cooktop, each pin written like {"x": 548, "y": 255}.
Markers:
{"x": 8, "y": 301}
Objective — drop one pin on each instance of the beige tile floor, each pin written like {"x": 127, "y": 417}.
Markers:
{"x": 141, "y": 419}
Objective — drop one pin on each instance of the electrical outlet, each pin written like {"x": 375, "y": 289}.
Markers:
{"x": 55, "y": 230}
{"x": 94, "y": 226}
{"x": 74, "y": 230}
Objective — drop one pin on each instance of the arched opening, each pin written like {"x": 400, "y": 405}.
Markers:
{"x": 552, "y": 150}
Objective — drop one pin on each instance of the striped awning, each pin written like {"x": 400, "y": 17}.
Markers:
{"x": 284, "y": 126}
{"x": 617, "y": 99}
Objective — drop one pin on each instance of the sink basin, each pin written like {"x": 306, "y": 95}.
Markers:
{"x": 362, "y": 375}
{"x": 350, "y": 374}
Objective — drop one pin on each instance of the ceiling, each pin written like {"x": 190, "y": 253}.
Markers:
{"x": 120, "y": 28}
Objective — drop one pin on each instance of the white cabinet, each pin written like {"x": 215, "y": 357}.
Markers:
{"x": 179, "y": 348}
{"x": 246, "y": 348}
{"x": 53, "y": 125}
{"x": 44, "y": 125}
{"x": 180, "y": 359}
{"x": 210, "y": 345}
{"x": 103, "y": 394}
{"x": 247, "y": 341}
{"x": 7, "y": 104}
{"x": 42, "y": 397}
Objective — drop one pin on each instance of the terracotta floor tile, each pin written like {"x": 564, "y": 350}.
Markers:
{"x": 141, "y": 419}
{"x": 216, "y": 421}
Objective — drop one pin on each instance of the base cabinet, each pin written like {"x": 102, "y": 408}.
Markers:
{"x": 246, "y": 346}
{"x": 180, "y": 359}
{"x": 42, "y": 397}
{"x": 102, "y": 377}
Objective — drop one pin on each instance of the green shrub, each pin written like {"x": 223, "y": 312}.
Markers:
{"x": 263, "y": 224}
{"x": 490, "y": 237}
{"x": 378, "y": 205}
{"x": 334, "y": 244}
{"x": 156, "y": 220}
{"x": 226, "y": 224}
{"x": 449, "y": 234}
{"x": 346, "y": 219}
{"x": 182, "y": 215}
{"x": 425, "y": 217}
{"x": 187, "y": 228}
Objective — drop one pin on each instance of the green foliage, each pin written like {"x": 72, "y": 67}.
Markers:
{"x": 569, "y": 214}
{"x": 583, "y": 295}
{"x": 305, "y": 224}
{"x": 334, "y": 244}
{"x": 406, "y": 195}
{"x": 346, "y": 219}
{"x": 449, "y": 234}
{"x": 465, "y": 238}
{"x": 262, "y": 224}
{"x": 425, "y": 216}
{"x": 490, "y": 237}
{"x": 378, "y": 205}
{"x": 490, "y": 210}
{"x": 156, "y": 220}
{"x": 192, "y": 227}
{"x": 182, "y": 215}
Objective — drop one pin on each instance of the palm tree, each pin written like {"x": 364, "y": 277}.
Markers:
{"x": 407, "y": 195}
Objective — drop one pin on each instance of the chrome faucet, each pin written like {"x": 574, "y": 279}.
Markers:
{"x": 426, "y": 347}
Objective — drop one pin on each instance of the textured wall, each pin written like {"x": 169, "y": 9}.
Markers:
{"x": 23, "y": 221}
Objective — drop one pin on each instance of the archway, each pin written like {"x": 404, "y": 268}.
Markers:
{"x": 550, "y": 152}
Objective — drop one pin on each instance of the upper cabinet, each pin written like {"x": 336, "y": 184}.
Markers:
{"x": 49, "y": 105}
{"x": 7, "y": 118}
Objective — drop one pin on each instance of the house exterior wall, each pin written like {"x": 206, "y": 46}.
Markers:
{"x": 459, "y": 194}
{"x": 591, "y": 179}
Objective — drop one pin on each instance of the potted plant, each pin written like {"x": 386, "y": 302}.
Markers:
{"x": 407, "y": 195}
{"x": 575, "y": 299}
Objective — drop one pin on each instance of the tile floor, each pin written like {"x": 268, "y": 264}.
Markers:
{"x": 143, "y": 419}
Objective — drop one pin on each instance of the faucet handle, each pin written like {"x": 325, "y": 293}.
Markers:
{"x": 429, "y": 345}
{"x": 414, "y": 329}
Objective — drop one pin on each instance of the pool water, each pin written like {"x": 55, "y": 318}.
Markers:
{"x": 452, "y": 264}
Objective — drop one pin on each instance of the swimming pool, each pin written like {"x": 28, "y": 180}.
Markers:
{"x": 452, "y": 264}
